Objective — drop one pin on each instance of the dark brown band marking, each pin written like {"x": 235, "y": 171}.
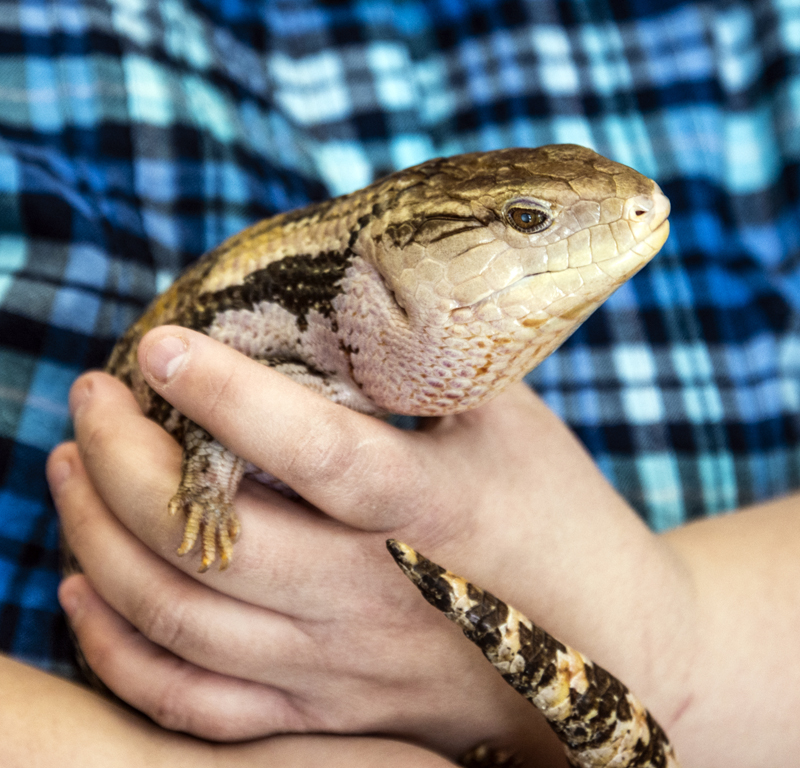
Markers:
{"x": 299, "y": 284}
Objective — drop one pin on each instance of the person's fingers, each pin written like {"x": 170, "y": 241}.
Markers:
{"x": 170, "y": 608}
{"x": 194, "y": 649}
{"x": 351, "y": 466}
{"x": 133, "y": 461}
{"x": 431, "y": 488}
{"x": 175, "y": 693}
{"x": 133, "y": 464}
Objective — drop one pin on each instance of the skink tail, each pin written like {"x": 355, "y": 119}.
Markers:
{"x": 599, "y": 721}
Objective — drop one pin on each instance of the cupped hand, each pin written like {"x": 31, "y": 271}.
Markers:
{"x": 312, "y": 628}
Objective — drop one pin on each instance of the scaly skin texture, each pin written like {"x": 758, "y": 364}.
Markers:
{"x": 421, "y": 294}
{"x": 599, "y": 721}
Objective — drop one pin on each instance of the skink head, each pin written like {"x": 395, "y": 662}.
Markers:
{"x": 474, "y": 226}
{"x": 505, "y": 253}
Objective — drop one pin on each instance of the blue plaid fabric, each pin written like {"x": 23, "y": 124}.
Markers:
{"x": 135, "y": 134}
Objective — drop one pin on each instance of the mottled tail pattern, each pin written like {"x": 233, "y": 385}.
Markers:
{"x": 599, "y": 721}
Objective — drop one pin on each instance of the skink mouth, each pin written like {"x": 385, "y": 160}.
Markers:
{"x": 658, "y": 236}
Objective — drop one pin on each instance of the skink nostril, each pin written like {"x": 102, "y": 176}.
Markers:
{"x": 637, "y": 208}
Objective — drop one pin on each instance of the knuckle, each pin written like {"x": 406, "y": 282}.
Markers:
{"x": 77, "y": 526}
{"x": 162, "y": 617}
{"x": 184, "y": 705}
{"x": 218, "y": 404}
{"x": 391, "y": 489}
{"x": 325, "y": 453}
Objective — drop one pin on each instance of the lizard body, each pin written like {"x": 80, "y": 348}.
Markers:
{"x": 426, "y": 293}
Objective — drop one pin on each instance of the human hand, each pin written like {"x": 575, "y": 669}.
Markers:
{"x": 338, "y": 641}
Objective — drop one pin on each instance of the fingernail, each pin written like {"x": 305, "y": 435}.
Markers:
{"x": 165, "y": 357}
{"x": 57, "y": 474}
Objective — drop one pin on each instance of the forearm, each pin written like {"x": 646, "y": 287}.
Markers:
{"x": 702, "y": 623}
{"x": 745, "y": 685}
{"x": 47, "y": 721}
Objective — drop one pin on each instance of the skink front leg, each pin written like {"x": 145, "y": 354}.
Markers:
{"x": 210, "y": 477}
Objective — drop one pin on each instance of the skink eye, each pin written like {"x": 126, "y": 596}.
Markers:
{"x": 527, "y": 219}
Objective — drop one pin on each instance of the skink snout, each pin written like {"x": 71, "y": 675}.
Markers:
{"x": 647, "y": 209}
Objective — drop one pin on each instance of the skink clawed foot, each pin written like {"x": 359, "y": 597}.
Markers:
{"x": 210, "y": 477}
{"x": 209, "y": 517}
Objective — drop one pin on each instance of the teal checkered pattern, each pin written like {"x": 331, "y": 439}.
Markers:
{"x": 136, "y": 134}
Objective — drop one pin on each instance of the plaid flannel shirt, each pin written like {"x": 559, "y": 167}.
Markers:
{"x": 136, "y": 134}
